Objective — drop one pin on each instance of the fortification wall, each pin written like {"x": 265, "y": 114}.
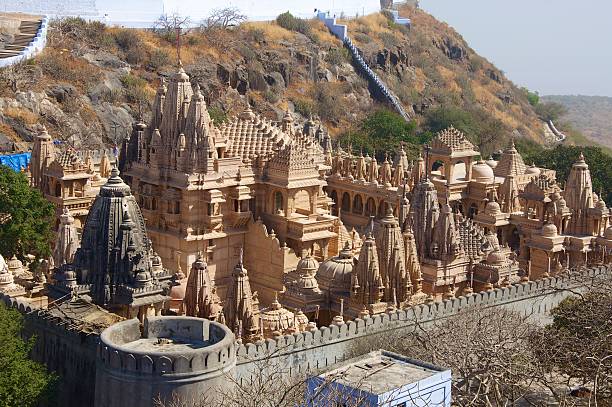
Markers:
{"x": 72, "y": 353}
{"x": 327, "y": 345}
{"x": 131, "y": 373}
{"x": 64, "y": 349}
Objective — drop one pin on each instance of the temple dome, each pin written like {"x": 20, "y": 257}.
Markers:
{"x": 492, "y": 208}
{"x": 496, "y": 258}
{"x": 491, "y": 162}
{"x": 608, "y": 233}
{"x": 307, "y": 263}
{"x": 482, "y": 172}
{"x": 15, "y": 266}
{"x": 533, "y": 170}
{"x": 335, "y": 273}
{"x": 549, "y": 230}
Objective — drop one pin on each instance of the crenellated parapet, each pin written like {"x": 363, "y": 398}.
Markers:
{"x": 164, "y": 356}
{"x": 329, "y": 344}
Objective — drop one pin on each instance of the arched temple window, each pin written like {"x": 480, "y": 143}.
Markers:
{"x": 357, "y": 205}
{"x": 278, "y": 202}
{"x": 346, "y": 202}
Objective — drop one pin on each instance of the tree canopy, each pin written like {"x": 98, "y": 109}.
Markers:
{"x": 478, "y": 126}
{"x": 23, "y": 382}
{"x": 561, "y": 158}
{"x": 25, "y": 217}
{"x": 382, "y": 132}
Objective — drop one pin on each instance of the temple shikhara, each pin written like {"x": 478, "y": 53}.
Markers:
{"x": 267, "y": 228}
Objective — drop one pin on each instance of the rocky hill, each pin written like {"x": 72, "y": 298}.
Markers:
{"x": 591, "y": 115}
{"x": 92, "y": 81}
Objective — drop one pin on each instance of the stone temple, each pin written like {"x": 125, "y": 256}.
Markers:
{"x": 265, "y": 227}
{"x": 260, "y": 233}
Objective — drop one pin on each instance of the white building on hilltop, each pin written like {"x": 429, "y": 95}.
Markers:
{"x": 143, "y": 13}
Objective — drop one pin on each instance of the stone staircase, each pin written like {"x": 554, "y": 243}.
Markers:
{"x": 28, "y": 29}
{"x": 375, "y": 81}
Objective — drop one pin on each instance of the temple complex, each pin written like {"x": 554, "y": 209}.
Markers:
{"x": 67, "y": 178}
{"x": 265, "y": 227}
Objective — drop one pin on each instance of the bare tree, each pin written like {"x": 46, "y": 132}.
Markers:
{"x": 223, "y": 18}
{"x": 500, "y": 358}
{"x": 172, "y": 26}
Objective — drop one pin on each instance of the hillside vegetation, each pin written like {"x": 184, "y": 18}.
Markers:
{"x": 92, "y": 81}
{"x": 591, "y": 115}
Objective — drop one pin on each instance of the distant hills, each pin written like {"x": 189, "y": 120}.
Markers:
{"x": 591, "y": 115}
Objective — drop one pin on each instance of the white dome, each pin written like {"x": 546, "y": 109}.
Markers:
{"x": 492, "y": 208}
{"x": 533, "y": 170}
{"x": 307, "y": 263}
{"x": 482, "y": 172}
{"x": 335, "y": 273}
{"x": 491, "y": 162}
{"x": 549, "y": 230}
{"x": 496, "y": 257}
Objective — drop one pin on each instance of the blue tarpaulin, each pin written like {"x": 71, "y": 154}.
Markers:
{"x": 16, "y": 162}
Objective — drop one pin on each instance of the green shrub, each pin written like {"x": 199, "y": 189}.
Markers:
{"x": 217, "y": 115}
{"x": 363, "y": 38}
{"x": 550, "y": 110}
{"x": 389, "y": 40}
{"x": 337, "y": 56}
{"x": 382, "y": 132}
{"x": 271, "y": 96}
{"x": 23, "y": 382}
{"x": 159, "y": 58}
{"x": 135, "y": 89}
{"x": 291, "y": 23}
{"x": 303, "y": 107}
{"x": 127, "y": 39}
{"x": 532, "y": 97}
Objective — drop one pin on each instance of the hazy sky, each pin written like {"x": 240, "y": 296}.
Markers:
{"x": 552, "y": 46}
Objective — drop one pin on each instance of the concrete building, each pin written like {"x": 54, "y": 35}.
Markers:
{"x": 381, "y": 379}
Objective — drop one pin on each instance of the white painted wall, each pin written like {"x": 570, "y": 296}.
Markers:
{"x": 142, "y": 13}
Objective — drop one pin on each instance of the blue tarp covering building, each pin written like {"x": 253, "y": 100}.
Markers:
{"x": 17, "y": 162}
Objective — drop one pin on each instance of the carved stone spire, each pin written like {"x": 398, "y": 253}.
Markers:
{"x": 373, "y": 170}
{"x": 446, "y": 243}
{"x": 115, "y": 261}
{"x": 367, "y": 286}
{"x": 241, "y": 305}
{"x": 390, "y": 247}
{"x": 424, "y": 212}
{"x": 67, "y": 241}
{"x": 201, "y": 299}
{"x": 579, "y": 197}
{"x": 43, "y": 153}
{"x": 385, "y": 173}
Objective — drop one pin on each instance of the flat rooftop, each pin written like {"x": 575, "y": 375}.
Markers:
{"x": 380, "y": 372}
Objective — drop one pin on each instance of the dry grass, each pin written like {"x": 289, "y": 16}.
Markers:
{"x": 23, "y": 116}
{"x": 272, "y": 32}
{"x": 9, "y": 132}
{"x": 323, "y": 34}
{"x": 449, "y": 79}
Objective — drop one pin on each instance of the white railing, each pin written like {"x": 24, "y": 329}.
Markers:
{"x": 34, "y": 47}
{"x": 341, "y": 31}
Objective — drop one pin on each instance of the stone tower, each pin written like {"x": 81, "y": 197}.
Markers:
{"x": 169, "y": 357}
{"x": 67, "y": 241}
{"x": 578, "y": 196}
{"x": 115, "y": 265}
